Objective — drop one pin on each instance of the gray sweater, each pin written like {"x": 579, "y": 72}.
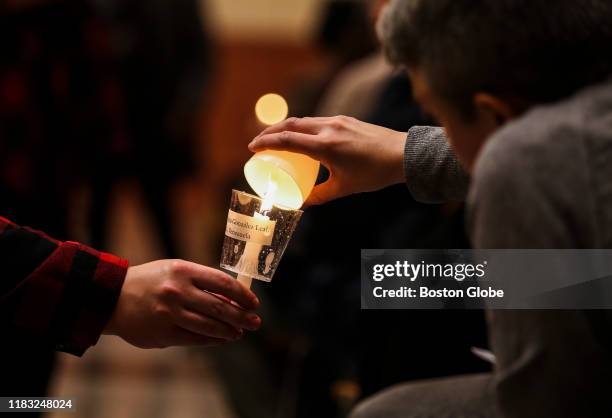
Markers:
{"x": 542, "y": 181}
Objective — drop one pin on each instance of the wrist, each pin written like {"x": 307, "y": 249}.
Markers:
{"x": 397, "y": 172}
{"x": 112, "y": 326}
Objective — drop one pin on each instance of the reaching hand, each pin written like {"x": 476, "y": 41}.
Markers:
{"x": 175, "y": 302}
{"x": 361, "y": 157}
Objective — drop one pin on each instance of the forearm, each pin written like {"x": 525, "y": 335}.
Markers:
{"x": 58, "y": 293}
{"x": 433, "y": 173}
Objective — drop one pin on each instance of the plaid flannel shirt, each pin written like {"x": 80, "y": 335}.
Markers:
{"x": 59, "y": 293}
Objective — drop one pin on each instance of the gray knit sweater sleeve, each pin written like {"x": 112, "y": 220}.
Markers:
{"x": 433, "y": 173}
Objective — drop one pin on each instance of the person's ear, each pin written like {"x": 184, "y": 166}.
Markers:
{"x": 492, "y": 111}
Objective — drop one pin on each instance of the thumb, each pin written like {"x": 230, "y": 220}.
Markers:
{"x": 323, "y": 193}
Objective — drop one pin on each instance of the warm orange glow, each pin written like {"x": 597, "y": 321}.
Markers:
{"x": 260, "y": 174}
{"x": 271, "y": 108}
{"x": 292, "y": 176}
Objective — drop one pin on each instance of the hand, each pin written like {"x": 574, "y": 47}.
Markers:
{"x": 361, "y": 157}
{"x": 175, "y": 302}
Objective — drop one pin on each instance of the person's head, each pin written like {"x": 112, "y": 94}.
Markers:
{"x": 475, "y": 64}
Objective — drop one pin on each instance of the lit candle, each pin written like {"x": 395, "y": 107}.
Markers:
{"x": 252, "y": 249}
{"x": 268, "y": 199}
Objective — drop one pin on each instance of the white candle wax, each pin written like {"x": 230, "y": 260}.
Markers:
{"x": 249, "y": 260}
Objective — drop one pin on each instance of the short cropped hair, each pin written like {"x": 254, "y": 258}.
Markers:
{"x": 535, "y": 51}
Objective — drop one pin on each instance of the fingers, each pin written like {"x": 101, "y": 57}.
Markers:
{"x": 215, "y": 281}
{"x": 181, "y": 336}
{"x": 323, "y": 193}
{"x": 204, "y": 325}
{"x": 216, "y": 308}
{"x": 308, "y": 144}
{"x": 302, "y": 125}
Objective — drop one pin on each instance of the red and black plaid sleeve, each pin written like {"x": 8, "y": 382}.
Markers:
{"x": 59, "y": 293}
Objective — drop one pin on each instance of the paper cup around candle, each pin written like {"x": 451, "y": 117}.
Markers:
{"x": 254, "y": 243}
{"x": 295, "y": 175}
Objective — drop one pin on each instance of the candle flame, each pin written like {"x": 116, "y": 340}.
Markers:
{"x": 269, "y": 197}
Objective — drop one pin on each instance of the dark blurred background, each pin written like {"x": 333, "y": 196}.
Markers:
{"x": 124, "y": 125}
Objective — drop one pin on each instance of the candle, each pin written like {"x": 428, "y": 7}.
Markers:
{"x": 249, "y": 260}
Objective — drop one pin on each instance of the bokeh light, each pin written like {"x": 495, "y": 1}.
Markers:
{"x": 271, "y": 108}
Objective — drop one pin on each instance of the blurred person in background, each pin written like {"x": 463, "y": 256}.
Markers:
{"x": 163, "y": 60}
{"x": 80, "y": 102}
{"x": 55, "y": 80}
{"x": 344, "y": 35}
{"x": 354, "y": 88}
